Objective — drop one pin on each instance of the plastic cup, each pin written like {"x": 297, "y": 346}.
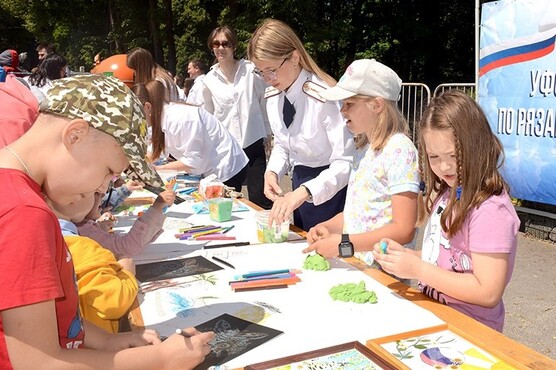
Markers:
{"x": 170, "y": 177}
{"x": 220, "y": 209}
{"x": 271, "y": 234}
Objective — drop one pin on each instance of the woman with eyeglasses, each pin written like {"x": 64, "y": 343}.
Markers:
{"x": 236, "y": 98}
{"x": 310, "y": 134}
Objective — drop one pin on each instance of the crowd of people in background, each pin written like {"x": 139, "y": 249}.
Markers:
{"x": 357, "y": 180}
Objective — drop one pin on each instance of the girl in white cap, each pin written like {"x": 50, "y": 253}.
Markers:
{"x": 384, "y": 181}
{"x": 310, "y": 136}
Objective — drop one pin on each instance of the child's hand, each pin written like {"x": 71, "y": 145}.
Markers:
{"x": 397, "y": 260}
{"x": 132, "y": 185}
{"x": 132, "y": 339}
{"x": 326, "y": 247}
{"x": 190, "y": 351}
{"x": 317, "y": 233}
{"x": 128, "y": 264}
{"x": 106, "y": 221}
{"x": 166, "y": 198}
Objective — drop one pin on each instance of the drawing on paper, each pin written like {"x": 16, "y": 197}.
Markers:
{"x": 233, "y": 337}
{"x": 175, "y": 269}
{"x": 443, "y": 349}
{"x": 347, "y": 356}
{"x": 346, "y": 360}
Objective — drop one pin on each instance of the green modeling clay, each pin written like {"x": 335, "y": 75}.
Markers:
{"x": 316, "y": 262}
{"x": 352, "y": 292}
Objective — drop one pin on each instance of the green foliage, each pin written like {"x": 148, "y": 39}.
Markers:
{"x": 429, "y": 41}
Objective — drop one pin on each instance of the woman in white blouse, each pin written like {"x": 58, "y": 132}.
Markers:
{"x": 310, "y": 134}
{"x": 195, "y": 138}
{"x": 236, "y": 98}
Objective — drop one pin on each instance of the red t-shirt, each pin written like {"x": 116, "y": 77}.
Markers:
{"x": 35, "y": 264}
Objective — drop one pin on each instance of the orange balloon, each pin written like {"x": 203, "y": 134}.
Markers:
{"x": 116, "y": 66}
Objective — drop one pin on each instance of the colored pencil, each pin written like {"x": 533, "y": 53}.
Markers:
{"x": 215, "y": 237}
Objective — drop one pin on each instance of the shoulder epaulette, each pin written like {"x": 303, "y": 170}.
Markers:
{"x": 313, "y": 90}
{"x": 271, "y": 91}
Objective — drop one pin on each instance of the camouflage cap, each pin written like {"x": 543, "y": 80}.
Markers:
{"x": 108, "y": 105}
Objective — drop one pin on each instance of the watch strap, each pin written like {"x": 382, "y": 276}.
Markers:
{"x": 345, "y": 238}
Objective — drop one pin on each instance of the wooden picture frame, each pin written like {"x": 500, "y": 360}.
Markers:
{"x": 475, "y": 351}
{"x": 379, "y": 360}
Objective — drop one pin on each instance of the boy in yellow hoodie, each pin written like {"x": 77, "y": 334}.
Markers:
{"x": 107, "y": 287}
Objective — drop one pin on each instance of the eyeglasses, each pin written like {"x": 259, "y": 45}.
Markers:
{"x": 269, "y": 74}
{"x": 224, "y": 44}
{"x": 108, "y": 194}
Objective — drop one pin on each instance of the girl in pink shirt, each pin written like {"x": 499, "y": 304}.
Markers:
{"x": 470, "y": 240}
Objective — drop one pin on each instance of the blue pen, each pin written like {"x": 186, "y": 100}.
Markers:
{"x": 264, "y": 272}
{"x": 239, "y": 278}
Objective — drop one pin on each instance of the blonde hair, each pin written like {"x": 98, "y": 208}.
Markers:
{"x": 479, "y": 155}
{"x": 390, "y": 121}
{"x": 274, "y": 40}
{"x": 146, "y": 69}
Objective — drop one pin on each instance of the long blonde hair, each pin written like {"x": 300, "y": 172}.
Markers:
{"x": 274, "y": 40}
{"x": 479, "y": 155}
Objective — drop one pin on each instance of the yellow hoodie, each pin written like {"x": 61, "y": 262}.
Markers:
{"x": 106, "y": 290}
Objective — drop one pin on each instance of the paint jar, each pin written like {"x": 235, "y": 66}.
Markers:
{"x": 220, "y": 209}
{"x": 169, "y": 177}
{"x": 271, "y": 234}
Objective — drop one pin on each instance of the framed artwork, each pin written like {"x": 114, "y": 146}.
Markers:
{"x": 233, "y": 337}
{"x": 347, "y": 356}
{"x": 439, "y": 347}
{"x": 172, "y": 269}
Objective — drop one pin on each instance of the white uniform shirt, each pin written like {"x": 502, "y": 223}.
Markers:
{"x": 196, "y": 93}
{"x": 318, "y": 136}
{"x": 239, "y": 106}
{"x": 198, "y": 140}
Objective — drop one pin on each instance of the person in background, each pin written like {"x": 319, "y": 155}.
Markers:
{"x": 107, "y": 287}
{"x": 58, "y": 159}
{"x": 179, "y": 81}
{"x": 18, "y": 111}
{"x": 52, "y": 67}
{"x": 466, "y": 260}
{"x": 382, "y": 191}
{"x": 9, "y": 62}
{"x": 196, "y": 69}
{"x": 97, "y": 59}
{"x": 310, "y": 134}
{"x": 187, "y": 85}
{"x": 235, "y": 96}
{"x": 146, "y": 69}
{"x": 44, "y": 49}
{"x": 198, "y": 141}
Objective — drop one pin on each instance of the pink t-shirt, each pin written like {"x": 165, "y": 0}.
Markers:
{"x": 491, "y": 228}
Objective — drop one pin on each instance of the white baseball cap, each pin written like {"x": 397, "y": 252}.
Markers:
{"x": 366, "y": 77}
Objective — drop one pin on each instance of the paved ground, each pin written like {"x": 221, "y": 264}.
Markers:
{"x": 530, "y": 298}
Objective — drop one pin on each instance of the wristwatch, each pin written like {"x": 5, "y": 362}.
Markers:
{"x": 345, "y": 247}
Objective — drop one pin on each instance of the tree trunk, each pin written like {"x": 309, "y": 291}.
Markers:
{"x": 170, "y": 36}
{"x": 154, "y": 27}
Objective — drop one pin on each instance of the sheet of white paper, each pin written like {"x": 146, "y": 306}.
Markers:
{"x": 305, "y": 312}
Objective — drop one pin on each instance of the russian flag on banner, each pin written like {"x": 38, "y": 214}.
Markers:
{"x": 517, "y": 51}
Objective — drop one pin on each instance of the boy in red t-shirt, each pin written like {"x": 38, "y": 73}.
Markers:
{"x": 90, "y": 128}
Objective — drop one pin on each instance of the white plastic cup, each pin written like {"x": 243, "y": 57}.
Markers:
{"x": 271, "y": 234}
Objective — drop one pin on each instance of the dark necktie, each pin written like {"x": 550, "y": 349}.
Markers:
{"x": 288, "y": 111}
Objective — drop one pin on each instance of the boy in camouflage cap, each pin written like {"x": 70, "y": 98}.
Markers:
{"x": 90, "y": 128}
{"x": 107, "y": 105}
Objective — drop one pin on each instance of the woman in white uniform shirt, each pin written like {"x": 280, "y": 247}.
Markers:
{"x": 316, "y": 142}
{"x": 201, "y": 145}
{"x": 236, "y": 98}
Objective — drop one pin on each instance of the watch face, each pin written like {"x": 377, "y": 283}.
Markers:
{"x": 346, "y": 249}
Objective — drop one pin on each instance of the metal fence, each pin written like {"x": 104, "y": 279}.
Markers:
{"x": 416, "y": 96}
